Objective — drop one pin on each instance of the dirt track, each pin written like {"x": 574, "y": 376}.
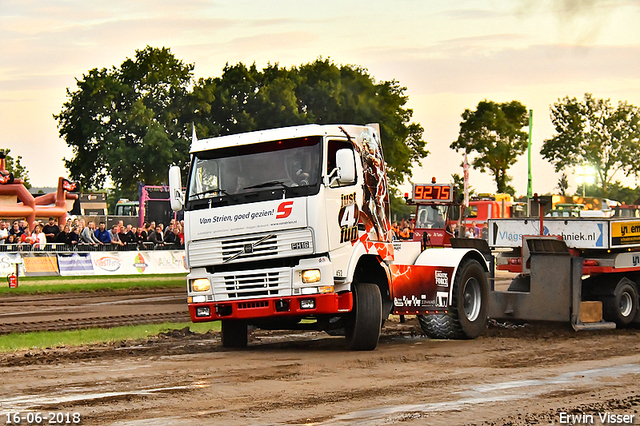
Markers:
{"x": 529, "y": 375}
{"x": 49, "y": 312}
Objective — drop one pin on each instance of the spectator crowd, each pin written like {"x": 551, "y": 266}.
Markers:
{"x": 405, "y": 230}
{"x": 75, "y": 234}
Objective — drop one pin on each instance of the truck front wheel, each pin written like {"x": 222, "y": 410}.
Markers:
{"x": 234, "y": 334}
{"x": 362, "y": 327}
{"x": 467, "y": 314}
{"x": 621, "y": 305}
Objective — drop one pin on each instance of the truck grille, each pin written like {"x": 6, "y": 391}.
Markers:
{"x": 242, "y": 248}
{"x": 250, "y": 284}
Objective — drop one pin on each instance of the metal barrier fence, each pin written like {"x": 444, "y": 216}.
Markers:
{"x": 83, "y": 247}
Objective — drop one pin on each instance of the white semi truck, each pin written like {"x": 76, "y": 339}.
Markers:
{"x": 289, "y": 228}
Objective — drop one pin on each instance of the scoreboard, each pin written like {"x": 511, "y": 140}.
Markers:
{"x": 442, "y": 193}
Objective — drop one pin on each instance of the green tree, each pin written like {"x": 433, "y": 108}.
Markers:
{"x": 494, "y": 132}
{"x": 616, "y": 191}
{"x": 245, "y": 99}
{"x": 563, "y": 184}
{"x": 124, "y": 124}
{"x": 128, "y": 124}
{"x": 594, "y": 132}
{"x": 14, "y": 165}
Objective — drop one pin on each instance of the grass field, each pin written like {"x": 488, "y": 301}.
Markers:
{"x": 52, "y": 339}
{"x": 92, "y": 283}
{"x": 31, "y": 285}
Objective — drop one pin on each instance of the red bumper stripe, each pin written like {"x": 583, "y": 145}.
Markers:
{"x": 278, "y": 306}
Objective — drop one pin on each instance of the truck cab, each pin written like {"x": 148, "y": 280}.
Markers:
{"x": 284, "y": 225}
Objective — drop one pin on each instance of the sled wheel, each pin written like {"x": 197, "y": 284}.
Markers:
{"x": 621, "y": 305}
{"x": 362, "y": 327}
{"x": 234, "y": 334}
{"x": 467, "y": 314}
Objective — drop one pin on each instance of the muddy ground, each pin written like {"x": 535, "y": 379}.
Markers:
{"x": 536, "y": 374}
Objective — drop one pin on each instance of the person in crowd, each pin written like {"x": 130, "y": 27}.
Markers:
{"x": 124, "y": 233}
{"x": 51, "y": 229}
{"x": 92, "y": 231}
{"x": 172, "y": 237}
{"x": 131, "y": 234}
{"x": 74, "y": 237}
{"x": 406, "y": 233}
{"x": 139, "y": 237}
{"x": 63, "y": 236}
{"x": 477, "y": 232}
{"x": 395, "y": 231}
{"x": 38, "y": 238}
{"x": 157, "y": 237}
{"x": 144, "y": 232}
{"x": 180, "y": 229}
{"x": 25, "y": 237}
{"x": 102, "y": 234}
{"x": 469, "y": 232}
{"x": 168, "y": 230}
{"x": 15, "y": 233}
{"x": 4, "y": 232}
{"x": 86, "y": 236}
{"x": 115, "y": 237}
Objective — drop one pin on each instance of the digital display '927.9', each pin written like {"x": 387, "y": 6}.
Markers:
{"x": 432, "y": 192}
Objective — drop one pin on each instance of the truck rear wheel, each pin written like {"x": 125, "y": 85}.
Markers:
{"x": 467, "y": 314}
{"x": 362, "y": 327}
{"x": 621, "y": 305}
{"x": 234, "y": 334}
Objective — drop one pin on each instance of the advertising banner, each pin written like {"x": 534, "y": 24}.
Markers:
{"x": 75, "y": 264}
{"x": 625, "y": 233}
{"x": 40, "y": 264}
{"x": 580, "y": 233}
{"x": 8, "y": 265}
{"x": 137, "y": 263}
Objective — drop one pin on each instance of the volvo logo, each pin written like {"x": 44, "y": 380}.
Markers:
{"x": 248, "y": 248}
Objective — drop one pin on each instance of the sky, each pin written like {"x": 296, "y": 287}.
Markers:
{"x": 449, "y": 55}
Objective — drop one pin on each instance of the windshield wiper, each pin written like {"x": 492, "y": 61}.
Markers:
{"x": 267, "y": 184}
{"x": 208, "y": 191}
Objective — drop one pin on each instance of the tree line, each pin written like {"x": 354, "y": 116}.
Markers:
{"x": 126, "y": 124}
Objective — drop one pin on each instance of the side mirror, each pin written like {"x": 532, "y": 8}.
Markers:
{"x": 345, "y": 162}
{"x": 176, "y": 197}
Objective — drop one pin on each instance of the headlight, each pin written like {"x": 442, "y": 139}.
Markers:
{"x": 200, "y": 284}
{"x": 311, "y": 276}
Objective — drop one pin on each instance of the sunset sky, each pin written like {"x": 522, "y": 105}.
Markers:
{"x": 449, "y": 55}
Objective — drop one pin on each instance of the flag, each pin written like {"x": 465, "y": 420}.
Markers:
{"x": 465, "y": 168}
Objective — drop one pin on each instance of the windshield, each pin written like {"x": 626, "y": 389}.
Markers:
{"x": 277, "y": 169}
{"x": 431, "y": 216}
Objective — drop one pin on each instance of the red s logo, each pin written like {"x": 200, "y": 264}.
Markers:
{"x": 284, "y": 209}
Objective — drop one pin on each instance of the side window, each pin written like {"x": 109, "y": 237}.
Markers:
{"x": 333, "y": 147}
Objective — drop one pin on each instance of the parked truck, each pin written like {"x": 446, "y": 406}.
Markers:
{"x": 289, "y": 229}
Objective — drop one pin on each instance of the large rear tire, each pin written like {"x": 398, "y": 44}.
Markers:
{"x": 467, "y": 316}
{"x": 362, "y": 327}
{"x": 235, "y": 334}
{"x": 621, "y": 305}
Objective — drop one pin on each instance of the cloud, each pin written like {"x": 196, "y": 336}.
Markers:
{"x": 453, "y": 70}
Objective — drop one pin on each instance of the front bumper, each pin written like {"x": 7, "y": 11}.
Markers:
{"x": 332, "y": 303}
